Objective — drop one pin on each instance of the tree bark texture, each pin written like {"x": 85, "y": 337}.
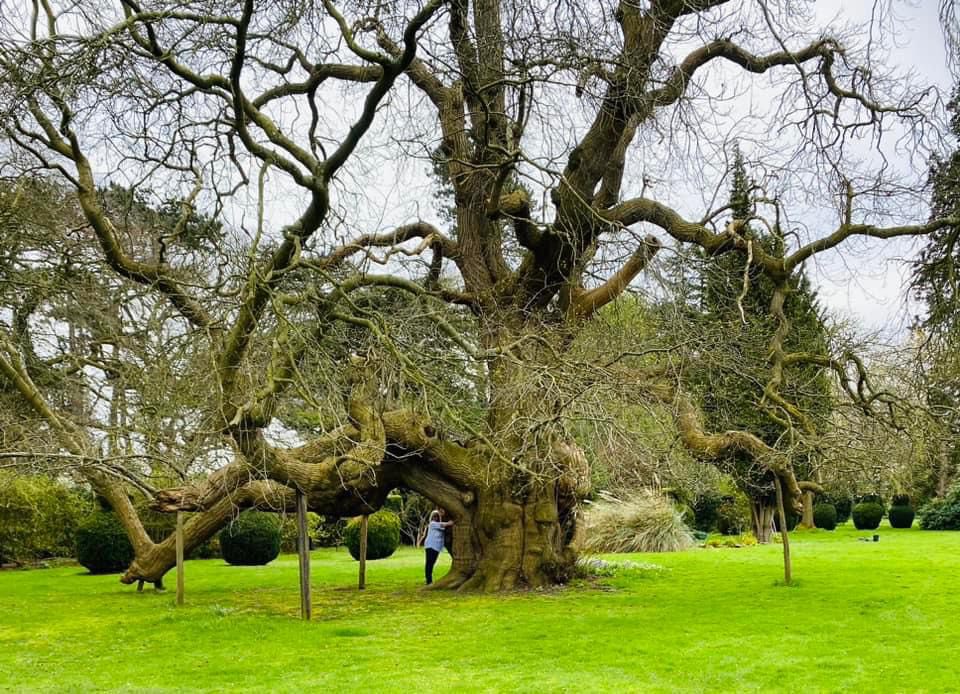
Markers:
{"x": 761, "y": 518}
{"x": 806, "y": 520}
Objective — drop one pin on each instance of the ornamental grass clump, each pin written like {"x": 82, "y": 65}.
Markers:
{"x": 646, "y": 523}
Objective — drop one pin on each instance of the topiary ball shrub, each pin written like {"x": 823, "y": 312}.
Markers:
{"x": 383, "y": 535}
{"x": 873, "y": 499}
{"x": 825, "y": 516}
{"x": 844, "y": 507}
{"x": 102, "y": 544}
{"x": 867, "y": 515}
{"x": 253, "y": 539}
{"x": 901, "y": 516}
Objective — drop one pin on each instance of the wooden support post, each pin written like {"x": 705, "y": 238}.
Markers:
{"x": 784, "y": 534}
{"x": 303, "y": 550}
{"x": 363, "y": 553}
{"x": 179, "y": 557}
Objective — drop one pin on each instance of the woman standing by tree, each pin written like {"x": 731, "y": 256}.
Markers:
{"x": 434, "y": 544}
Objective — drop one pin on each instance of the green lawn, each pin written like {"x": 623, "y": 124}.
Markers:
{"x": 862, "y": 617}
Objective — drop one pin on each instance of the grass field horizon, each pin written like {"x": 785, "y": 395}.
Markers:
{"x": 861, "y": 615}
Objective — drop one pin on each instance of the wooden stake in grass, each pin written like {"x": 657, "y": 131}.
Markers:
{"x": 303, "y": 550}
{"x": 363, "y": 553}
{"x": 787, "y": 568}
{"x": 179, "y": 557}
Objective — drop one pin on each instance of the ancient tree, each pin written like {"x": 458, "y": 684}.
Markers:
{"x": 552, "y": 124}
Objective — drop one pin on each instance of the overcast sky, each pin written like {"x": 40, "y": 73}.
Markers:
{"x": 874, "y": 293}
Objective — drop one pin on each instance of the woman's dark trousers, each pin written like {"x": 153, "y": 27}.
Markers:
{"x": 432, "y": 555}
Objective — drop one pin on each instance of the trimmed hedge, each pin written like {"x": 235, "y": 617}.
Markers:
{"x": 383, "y": 535}
{"x": 102, "y": 544}
{"x": 867, "y": 515}
{"x": 873, "y": 499}
{"x": 901, "y": 516}
{"x": 825, "y": 516}
{"x": 253, "y": 539}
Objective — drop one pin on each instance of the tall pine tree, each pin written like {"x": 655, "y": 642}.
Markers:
{"x": 734, "y": 329}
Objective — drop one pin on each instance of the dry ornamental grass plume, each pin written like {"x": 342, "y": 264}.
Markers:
{"x": 647, "y": 522}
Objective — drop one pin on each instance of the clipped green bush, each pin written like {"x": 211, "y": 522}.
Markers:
{"x": 253, "y": 539}
{"x": 646, "y": 523}
{"x": 873, "y": 499}
{"x": 942, "y": 514}
{"x": 867, "y": 515}
{"x": 901, "y": 516}
{"x": 842, "y": 502}
{"x": 825, "y": 516}
{"x": 844, "y": 506}
{"x": 102, "y": 544}
{"x": 383, "y": 535}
